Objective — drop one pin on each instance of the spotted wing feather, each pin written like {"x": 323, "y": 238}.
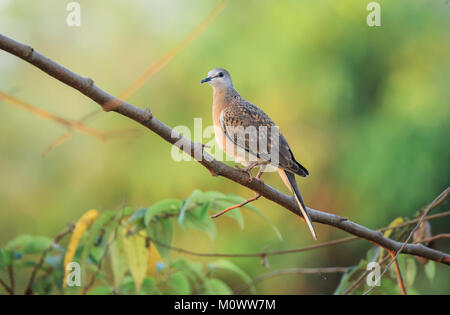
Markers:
{"x": 248, "y": 127}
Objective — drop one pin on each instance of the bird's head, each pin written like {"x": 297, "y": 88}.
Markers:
{"x": 218, "y": 78}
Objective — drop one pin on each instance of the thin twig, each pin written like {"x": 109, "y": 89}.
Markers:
{"x": 49, "y": 116}
{"x": 433, "y": 238}
{"x": 145, "y": 118}
{"x": 56, "y": 240}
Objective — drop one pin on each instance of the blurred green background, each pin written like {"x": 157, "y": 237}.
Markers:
{"x": 365, "y": 109}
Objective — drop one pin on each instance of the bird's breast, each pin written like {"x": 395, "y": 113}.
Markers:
{"x": 220, "y": 102}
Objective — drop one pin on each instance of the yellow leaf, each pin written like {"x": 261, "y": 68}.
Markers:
{"x": 394, "y": 223}
{"x": 153, "y": 259}
{"x": 117, "y": 257}
{"x": 82, "y": 225}
{"x": 388, "y": 233}
{"x": 137, "y": 257}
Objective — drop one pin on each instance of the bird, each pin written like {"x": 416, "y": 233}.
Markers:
{"x": 232, "y": 117}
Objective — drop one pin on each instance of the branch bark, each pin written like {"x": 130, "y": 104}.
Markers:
{"x": 110, "y": 103}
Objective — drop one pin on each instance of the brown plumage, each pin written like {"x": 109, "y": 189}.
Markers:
{"x": 248, "y": 134}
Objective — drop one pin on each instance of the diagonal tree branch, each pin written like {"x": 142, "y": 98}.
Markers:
{"x": 110, "y": 103}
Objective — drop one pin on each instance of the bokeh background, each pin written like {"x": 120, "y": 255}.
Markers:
{"x": 365, "y": 109}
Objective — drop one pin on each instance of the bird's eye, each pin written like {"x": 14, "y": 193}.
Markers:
{"x": 220, "y": 74}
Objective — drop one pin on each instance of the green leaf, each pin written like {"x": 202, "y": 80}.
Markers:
{"x": 113, "y": 236}
{"x": 108, "y": 233}
{"x": 199, "y": 210}
{"x": 27, "y": 244}
{"x": 138, "y": 215}
{"x": 230, "y": 267}
{"x": 213, "y": 195}
{"x": 195, "y": 215}
{"x": 402, "y": 265}
{"x": 148, "y": 286}
{"x": 373, "y": 254}
{"x": 206, "y": 225}
{"x": 196, "y": 196}
{"x": 127, "y": 286}
{"x": 235, "y": 214}
{"x": 169, "y": 206}
{"x": 430, "y": 270}
{"x": 188, "y": 266}
{"x": 96, "y": 254}
{"x": 136, "y": 222}
{"x": 161, "y": 231}
{"x": 217, "y": 287}
{"x": 100, "y": 290}
{"x": 411, "y": 271}
{"x": 179, "y": 284}
{"x": 202, "y": 210}
{"x": 193, "y": 270}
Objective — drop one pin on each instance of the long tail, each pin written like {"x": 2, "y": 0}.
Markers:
{"x": 289, "y": 180}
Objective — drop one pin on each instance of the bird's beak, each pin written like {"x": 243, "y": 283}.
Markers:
{"x": 207, "y": 79}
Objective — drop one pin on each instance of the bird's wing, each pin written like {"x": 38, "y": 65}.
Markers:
{"x": 249, "y": 128}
